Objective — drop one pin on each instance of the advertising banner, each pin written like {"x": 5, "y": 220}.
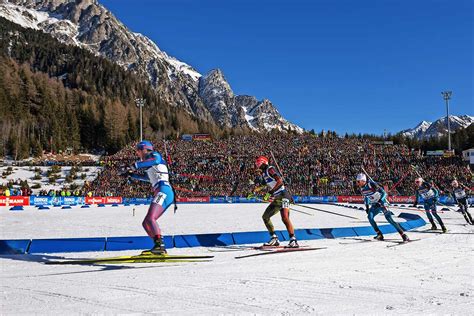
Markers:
{"x": 71, "y": 200}
{"x": 321, "y": 199}
{"x": 74, "y": 200}
{"x": 95, "y": 200}
{"x": 194, "y": 199}
{"x": 350, "y": 198}
{"x": 137, "y": 200}
{"x": 201, "y": 137}
{"x": 187, "y": 137}
{"x": 401, "y": 199}
{"x": 113, "y": 200}
{"x": 220, "y": 199}
{"x": 14, "y": 201}
{"x": 40, "y": 200}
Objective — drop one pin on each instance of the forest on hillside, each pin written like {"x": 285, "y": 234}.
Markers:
{"x": 54, "y": 96}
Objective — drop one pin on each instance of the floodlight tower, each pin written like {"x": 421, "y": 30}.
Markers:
{"x": 447, "y": 97}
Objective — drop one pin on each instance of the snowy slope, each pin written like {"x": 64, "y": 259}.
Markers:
{"x": 433, "y": 276}
{"x": 28, "y": 173}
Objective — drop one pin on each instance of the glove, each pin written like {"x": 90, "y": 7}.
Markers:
{"x": 267, "y": 197}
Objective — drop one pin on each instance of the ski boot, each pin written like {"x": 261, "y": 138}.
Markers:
{"x": 433, "y": 226}
{"x": 405, "y": 238}
{"x": 158, "y": 249}
{"x": 293, "y": 243}
{"x": 273, "y": 242}
{"x": 443, "y": 229}
{"x": 379, "y": 236}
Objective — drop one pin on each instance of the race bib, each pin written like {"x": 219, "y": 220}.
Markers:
{"x": 159, "y": 198}
{"x": 285, "y": 203}
{"x": 460, "y": 194}
{"x": 374, "y": 198}
{"x": 428, "y": 194}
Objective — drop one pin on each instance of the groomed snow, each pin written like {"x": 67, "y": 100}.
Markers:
{"x": 430, "y": 276}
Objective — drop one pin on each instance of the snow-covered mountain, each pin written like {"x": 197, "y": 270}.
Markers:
{"x": 438, "y": 128}
{"x": 238, "y": 111}
{"x": 89, "y": 25}
{"x": 417, "y": 131}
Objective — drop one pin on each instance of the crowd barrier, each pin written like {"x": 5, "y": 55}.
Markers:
{"x": 23, "y": 246}
{"x": 115, "y": 200}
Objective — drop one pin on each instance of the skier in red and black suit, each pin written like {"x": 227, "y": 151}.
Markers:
{"x": 279, "y": 199}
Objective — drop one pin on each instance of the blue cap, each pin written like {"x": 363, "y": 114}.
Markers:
{"x": 145, "y": 144}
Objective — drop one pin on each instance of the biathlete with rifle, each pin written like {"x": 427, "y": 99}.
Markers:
{"x": 375, "y": 200}
{"x": 156, "y": 173}
{"x": 430, "y": 196}
{"x": 460, "y": 196}
{"x": 279, "y": 199}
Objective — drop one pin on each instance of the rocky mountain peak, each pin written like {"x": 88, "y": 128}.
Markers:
{"x": 89, "y": 25}
{"x": 438, "y": 128}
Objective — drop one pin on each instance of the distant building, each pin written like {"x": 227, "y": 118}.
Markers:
{"x": 468, "y": 155}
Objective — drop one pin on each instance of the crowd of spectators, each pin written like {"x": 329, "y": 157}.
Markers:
{"x": 311, "y": 165}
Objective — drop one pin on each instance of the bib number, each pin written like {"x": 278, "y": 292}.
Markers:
{"x": 159, "y": 198}
{"x": 374, "y": 198}
{"x": 285, "y": 203}
{"x": 460, "y": 194}
{"x": 428, "y": 195}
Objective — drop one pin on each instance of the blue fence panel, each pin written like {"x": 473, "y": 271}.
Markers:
{"x": 135, "y": 242}
{"x": 17, "y": 246}
{"x": 203, "y": 240}
{"x": 67, "y": 245}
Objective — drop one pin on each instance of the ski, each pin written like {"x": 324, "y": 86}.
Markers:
{"x": 368, "y": 240}
{"x": 284, "y": 250}
{"x": 226, "y": 249}
{"x": 242, "y": 248}
{"x": 135, "y": 259}
{"x": 402, "y": 243}
{"x": 275, "y": 247}
{"x": 428, "y": 231}
{"x": 142, "y": 260}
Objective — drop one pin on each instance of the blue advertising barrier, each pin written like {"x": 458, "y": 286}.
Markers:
{"x": 314, "y": 199}
{"x": 193, "y": 240}
{"x": 56, "y": 200}
{"x": 203, "y": 240}
{"x": 11, "y": 247}
{"x": 40, "y": 200}
{"x": 136, "y": 201}
{"x": 231, "y": 199}
{"x": 67, "y": 245}
{"x": 134, "y": 243}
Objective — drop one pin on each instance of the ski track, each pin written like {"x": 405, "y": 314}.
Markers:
{"x": 431, "y": 276}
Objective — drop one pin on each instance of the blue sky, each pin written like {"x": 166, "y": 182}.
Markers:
{"x": 344, "y": 65}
